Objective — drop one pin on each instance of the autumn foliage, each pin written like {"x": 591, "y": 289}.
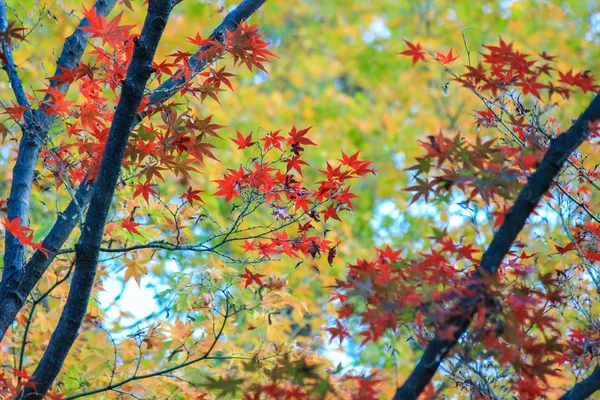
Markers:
{"x": 517, "y": 324}
{"x": 126, "y": 140}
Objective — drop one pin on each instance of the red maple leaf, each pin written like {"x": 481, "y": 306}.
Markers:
{"x": 414, "y": 51}
{"x": 295, "y": 163}
{"x": 591, "y": 255}
{"x": 366, "y": 387}
{"x": 302, "y": 202}
{"x": 360, "y": 167}
{"x": 13, "y": 32}
{"x": 145, "y": 189}
{"x": 216, "y": 77}
{"x": 130, "y": 226}
{"x": 338, "y": 331}
{"x": 335, "y": 174}
{"x": 344, "y": 197}
{"x": 474, "y": 76}
{"x": 22, "y": 374}
{"x": 298, "y": 138}
{"x": 530, "y": 85}
{"x": 338, "y": 296}
{"x": 250, "y": 277}
{"x": 273, "y": 139}
{"x": 110, "y": 32}
{"x": 163, "y": 68}
{"x": 422, "y": 190}
{"x": 389, "y": 253}
{"x": 191, "y": 195}
{"x": 565, "y": 249}
{"x": 16, "y": 112}
{"x": 38, "y": 246}
{"x": 15, "y": 229}
{"x": 304, "y": 227}
{"x": 330, "y": 212}
{"x": 445, "y": 58}
{"x": 249, "y": 245}
{"x": 486, "y": 118}
{"x": 242, "y": 141}
{"x": 66, "y": 76}
{"x": 198, "y": 41}
{"x": 228, "y": 188}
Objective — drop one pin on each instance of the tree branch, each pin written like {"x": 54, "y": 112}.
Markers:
{"x": 197, "y": 61}
{"x": 86, "y": 256}
{"x": 34, "y": 304}
{"x": 537, "y": 185}
{"x": 9, "y": 64}
{"x": 582, "y": 390}
{"x": 35, "y": 128}
{"x": 205, "y": 356}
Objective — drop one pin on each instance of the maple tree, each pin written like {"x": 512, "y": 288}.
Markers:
{"x": 244, "y": 245}
{"x": 105, "y": 150}
{"x": 447, "y": 297}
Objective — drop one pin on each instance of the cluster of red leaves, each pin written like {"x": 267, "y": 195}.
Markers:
{"x": 177, "y": 145}
{"x": 586, "y": 240}
{"x": 584, "y": 345}
{"x": 12, "y": 385}
{"x": 279, "y": 185}
{"x": 22, "y": 233}
{"x": 246, "y": 46}
{"x": 111, "y": 32}
{"x": 302, "y": 380}
{"x": 421, "y": 295}
{"x": 486, "y": 169}
{"x": 511, "y": 68}
{"x": 481, "y": 169}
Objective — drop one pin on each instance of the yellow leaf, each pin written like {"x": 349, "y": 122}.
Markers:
{"x": 135, "y": 268}
{"x": 153, "y": 338}
{"x": 276, "y": 300}
{"x": 179, "y": 330}
{"x": 94, "y": 363}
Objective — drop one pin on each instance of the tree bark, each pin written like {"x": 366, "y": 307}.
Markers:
{"x": 87, "y": 248}
{"x": 585, "y": 388}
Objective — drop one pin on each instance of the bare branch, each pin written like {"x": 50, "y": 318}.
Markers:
{"x": 205, "y": 356}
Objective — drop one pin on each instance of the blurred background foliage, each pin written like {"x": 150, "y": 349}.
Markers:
{"x": 338, "y": 71}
